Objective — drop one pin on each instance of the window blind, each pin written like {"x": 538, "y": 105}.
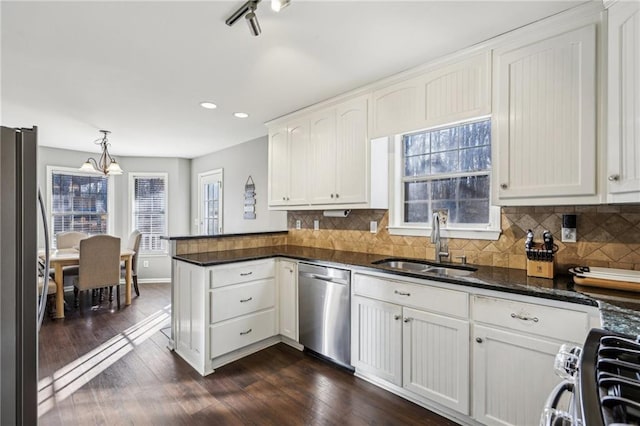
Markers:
{"x": 149, "y": 211}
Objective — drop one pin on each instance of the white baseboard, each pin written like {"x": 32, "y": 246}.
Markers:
{"x": 150, "y": 281}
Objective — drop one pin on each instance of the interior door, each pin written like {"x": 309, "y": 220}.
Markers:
{"x": 210, "y": 202}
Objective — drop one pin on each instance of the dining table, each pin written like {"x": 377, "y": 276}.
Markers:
{"x": 58, "y": 259}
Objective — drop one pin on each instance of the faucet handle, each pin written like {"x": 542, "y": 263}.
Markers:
{"x": 463, "y": 259}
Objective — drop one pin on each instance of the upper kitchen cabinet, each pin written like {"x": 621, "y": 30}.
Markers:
{"x": 545, "y": 117}
{"x": 288, "y": 146}
{"x": 444, "y": 94}
{"x": 623, "y": 136}
{"x": 337, "y": 157}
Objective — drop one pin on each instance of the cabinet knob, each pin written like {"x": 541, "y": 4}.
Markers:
{"x": 331, "y": 195}
{"x": 337, "y": 195}
{"x": 479, "y": 339}
{"x": 287, "y": 198}
{"x": 284, "y": 198}
{"x": 614, "y": 178}
{"x": 396, "y": 317}
{"x": 504, "y": 186}
{"x": 407, "y": 320}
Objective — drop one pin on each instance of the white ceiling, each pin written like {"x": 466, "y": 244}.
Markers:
{"x": 140, "y": 69}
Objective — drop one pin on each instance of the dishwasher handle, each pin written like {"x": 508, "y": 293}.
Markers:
{"x": 326, "y": 278}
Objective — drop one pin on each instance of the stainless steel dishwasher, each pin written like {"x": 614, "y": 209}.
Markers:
{"x": 324, "y": 306}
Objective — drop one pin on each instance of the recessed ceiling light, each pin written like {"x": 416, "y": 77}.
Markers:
{"x": 208, "y": 105}
{"x": 240, "y": 114}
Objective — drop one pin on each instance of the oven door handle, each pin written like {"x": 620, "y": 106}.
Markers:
{"x": 551, "y": 412}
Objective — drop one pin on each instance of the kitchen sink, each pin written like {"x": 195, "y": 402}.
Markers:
{"x": 418, "y": 267}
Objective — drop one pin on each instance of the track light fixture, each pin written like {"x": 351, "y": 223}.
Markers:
{"x": 248, "y": 10}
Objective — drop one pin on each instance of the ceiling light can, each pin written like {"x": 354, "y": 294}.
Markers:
{"x": 208, "y": 105}
{"x": 240, "y": 115}
{"x": 252, "y": 22}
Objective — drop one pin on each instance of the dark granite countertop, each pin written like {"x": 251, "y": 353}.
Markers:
{"x": 619, "y": 312}
{"x": 199, "y": 237}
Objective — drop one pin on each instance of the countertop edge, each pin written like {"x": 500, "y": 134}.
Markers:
{"x": 200, "y": 237}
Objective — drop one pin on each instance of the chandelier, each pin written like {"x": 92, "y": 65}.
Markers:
{"x": 106, "y": 164}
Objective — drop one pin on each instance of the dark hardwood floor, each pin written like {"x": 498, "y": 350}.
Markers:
{"x": 108, "y": 367}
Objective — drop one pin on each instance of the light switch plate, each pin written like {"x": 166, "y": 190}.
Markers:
{"x": 298, "y": 224}
{"x": 316, "y": 224}
{"x": 373, "y": 227}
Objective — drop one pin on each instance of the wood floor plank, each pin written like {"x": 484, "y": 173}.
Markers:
{"x": 144, "y": 383}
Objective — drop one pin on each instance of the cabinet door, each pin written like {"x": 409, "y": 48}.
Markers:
{"x": 545, "y": 118}
{"x": 624, "y": 102}
{"x": 376, "y": 340}
{"x": 458, "y": 91}
{"x": 352, "y": 152}
{"x": 322, "y": 154}
{"x": 298, "y": 165}
{"x": 288, "y": 285}
{"x": 436, "y": 358}
{"x": 189, "y": 305}
{"x": 397, "y": 108}
{"x": 278, "y": 166}
{"x": 512, "y": 376}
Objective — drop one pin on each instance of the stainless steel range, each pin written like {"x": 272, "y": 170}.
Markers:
{"x": 601, "y": 381}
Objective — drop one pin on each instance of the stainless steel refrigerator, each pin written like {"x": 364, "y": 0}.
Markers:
{"x": 18, "y": 273}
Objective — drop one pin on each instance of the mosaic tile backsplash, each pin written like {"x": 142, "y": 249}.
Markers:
{"x": 608, "y": 236}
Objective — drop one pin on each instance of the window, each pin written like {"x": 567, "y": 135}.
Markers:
{"x": 445, "y": 169}
{"x": 78, "y": 201}
{"x": 149, "y": 210}
{"x": 210, "y": 202}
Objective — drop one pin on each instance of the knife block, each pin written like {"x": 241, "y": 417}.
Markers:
{"x": 541, "y": 268}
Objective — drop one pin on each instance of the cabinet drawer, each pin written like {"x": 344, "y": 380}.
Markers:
{"x": 221, "y": 276}
{"x": 241, "y": 299}
{"x": 557, "y": 323}
{"x": 239, "y": 332}
{"x": 432, "y": 299}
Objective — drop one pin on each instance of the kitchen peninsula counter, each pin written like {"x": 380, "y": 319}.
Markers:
{"x": 618, "y": 314}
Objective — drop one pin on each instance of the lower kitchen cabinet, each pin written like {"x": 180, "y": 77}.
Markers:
{"x": 221, "y": 313}
{"x": 287, "y": 278}
{"x": 512, "y": 376}
{"x": 376, "y": 335}
{"x": 435, "y": 351}
{"x": 425, "y": 353}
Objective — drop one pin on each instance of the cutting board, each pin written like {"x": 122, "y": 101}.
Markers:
{"x": 604, "y": 283}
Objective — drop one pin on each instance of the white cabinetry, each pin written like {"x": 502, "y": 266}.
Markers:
{"x": 287, "y": 277}
{"x": 545, "y": 119}
{"x": 323, "y": 159}
{"x": 514, "y": 345}
{"x": 223, "y": 312}
{"x": 623, "y": 138}
{"x": 288, "y": 146}
{"x": 444, "y": 94}
{"x": 426, "y": 353}
{"x": 189, "y": 313}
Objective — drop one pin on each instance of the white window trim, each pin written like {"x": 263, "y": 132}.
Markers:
{"x": 201, "y": 176}
{"x": 396, "y": 226}
{"x": 75, "y": 171}
{"x": 132, "y": 194}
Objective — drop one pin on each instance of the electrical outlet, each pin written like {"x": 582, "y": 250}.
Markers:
{"x": 145, "y": 264}
{"x": 569, "y": 235}
{"x": 316, "y": 224}
{"x": 373, "y": 227}
{"x": 298, "y": 224}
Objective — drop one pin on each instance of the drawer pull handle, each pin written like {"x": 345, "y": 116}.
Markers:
{"x": 243, "y": 333}
{"x": 524, "y": 318}
{"x": 246, "y": 300}
{"x": 244, "y": 274}
{"x": 396, "y": 317}
{"x": 401, "y": 293}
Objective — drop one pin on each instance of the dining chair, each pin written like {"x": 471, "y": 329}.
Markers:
{"x": 51, "y": 290}
{"x": 99, "y": 265}
{"x": 133, "y": 244}
{"x": 69, "y": 240}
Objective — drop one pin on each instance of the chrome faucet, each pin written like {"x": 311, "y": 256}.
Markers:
{"x": 435, "y": 238}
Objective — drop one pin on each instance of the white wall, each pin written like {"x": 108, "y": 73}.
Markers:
{"x": 238, "y": 162}
{"x": 179, "y": 174}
